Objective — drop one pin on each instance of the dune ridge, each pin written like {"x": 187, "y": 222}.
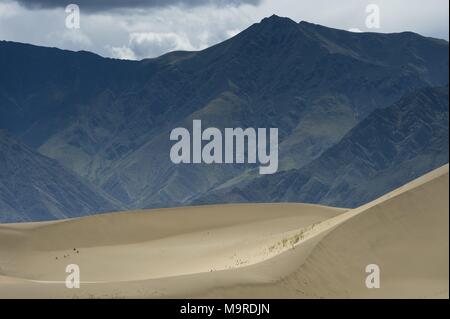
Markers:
{"x": 240, "y": 251}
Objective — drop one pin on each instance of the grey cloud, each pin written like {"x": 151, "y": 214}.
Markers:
{"x": 102, "y": 5}
{"x": 154, "y": 44}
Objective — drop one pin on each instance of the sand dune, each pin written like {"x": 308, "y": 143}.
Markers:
{"x": 240, "y": 251}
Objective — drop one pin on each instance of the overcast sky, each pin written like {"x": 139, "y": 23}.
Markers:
{"x": 136, "y": 29}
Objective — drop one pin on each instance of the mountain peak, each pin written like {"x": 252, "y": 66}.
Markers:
{"x": 274, "y": 19}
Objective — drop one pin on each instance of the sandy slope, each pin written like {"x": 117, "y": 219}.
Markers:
{"x": 273, "y": 250}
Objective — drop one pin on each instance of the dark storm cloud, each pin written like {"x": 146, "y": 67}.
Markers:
{"x": 102, "y": 5}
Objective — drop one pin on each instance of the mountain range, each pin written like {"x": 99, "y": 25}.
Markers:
{"x": 347, "y": 105}
{"x": 386, "y": 150}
